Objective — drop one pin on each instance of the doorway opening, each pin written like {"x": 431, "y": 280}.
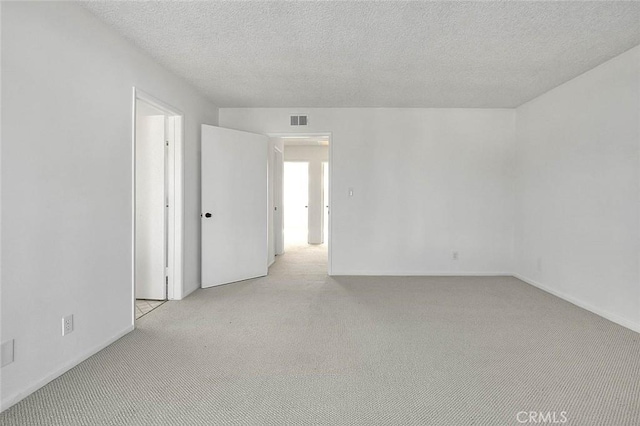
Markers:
{"x": 301, "y": 190}
{"x": 157, "y": 203}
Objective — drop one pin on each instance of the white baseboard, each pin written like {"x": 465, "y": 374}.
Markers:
{"x": 420, "y": 274}
{"x": 589, "y": 307}
{"x": 19, "y": 396}
{"x": 185, "y": 294}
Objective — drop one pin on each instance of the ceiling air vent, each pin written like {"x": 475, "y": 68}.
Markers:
{"x": 298, "y": 120}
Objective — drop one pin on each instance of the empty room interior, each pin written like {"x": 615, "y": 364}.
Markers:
{"x": 320, "y": 212}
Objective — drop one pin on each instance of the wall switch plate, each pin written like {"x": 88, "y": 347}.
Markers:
{"x": 350, "y": 192}
{"x": 67, "y": 325}
{"x": 454, "y": 255}
{"x": 7, "y": 352}
{"x": 539, "y": 264}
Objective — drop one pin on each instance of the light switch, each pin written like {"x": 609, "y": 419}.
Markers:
{"x": 350, "y": 192}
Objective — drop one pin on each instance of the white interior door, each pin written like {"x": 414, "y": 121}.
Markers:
{"x": 150, "y": 237}
{"x": 278, "y": 222}
{"x": 234, "y": 205}
{"x": 296, "y": 202}
{"x": 325, "y": 202}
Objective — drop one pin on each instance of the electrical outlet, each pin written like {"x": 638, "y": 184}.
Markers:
{"x": 454, "y": 255}
{"x": 7, "y": 352}
{"x": 67, "y": 325}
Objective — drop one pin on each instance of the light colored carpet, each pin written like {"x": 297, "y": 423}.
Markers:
{"x": 298, "y": 347}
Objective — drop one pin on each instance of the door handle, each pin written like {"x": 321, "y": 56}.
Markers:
{"x": 207, "y": 215}
{"x": 306, "y": 207}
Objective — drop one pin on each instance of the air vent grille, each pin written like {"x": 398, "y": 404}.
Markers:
{"x": 299, "y": 120}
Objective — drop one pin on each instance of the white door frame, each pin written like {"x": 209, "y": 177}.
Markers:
{"x": 328, "y": 135}
{"x": 325, "y": 202}
{"x": 279, "y": 192}
{"x": 175, "y": 191}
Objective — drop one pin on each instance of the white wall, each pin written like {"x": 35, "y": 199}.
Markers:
{"x": 426, "y": 182}
{"x": 66, "y": 184}
{"x": 578, "y": 190}
{"x": 315, "y": 156}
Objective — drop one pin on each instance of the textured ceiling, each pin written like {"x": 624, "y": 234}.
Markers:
{"x": 382, "y": 54}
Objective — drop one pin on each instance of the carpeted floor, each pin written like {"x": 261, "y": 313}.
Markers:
{"x": 298, "y": 347}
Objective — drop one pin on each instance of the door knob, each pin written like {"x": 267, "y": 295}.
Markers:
{"x": 207, "y": 215}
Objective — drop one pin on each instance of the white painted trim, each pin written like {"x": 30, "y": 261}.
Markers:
{"x": 175, "y": 158}
{"x": 144, "y": 96}
{"x": 133, "y": 207}
{"x": 301, "y": 134}
{"x": 279, "y": 166}
{"x": 178, "y": 193}
{"x": 370, "y": 273}
{"x": 330, "y": 215}
{"x": 598, "y": 311}
{"x": 190, "y": 291}
{"x": 170, "y": 217}
{"x": 19, "y": 396}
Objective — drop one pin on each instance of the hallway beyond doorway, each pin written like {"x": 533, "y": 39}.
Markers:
{"x": 301, "y": 258}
